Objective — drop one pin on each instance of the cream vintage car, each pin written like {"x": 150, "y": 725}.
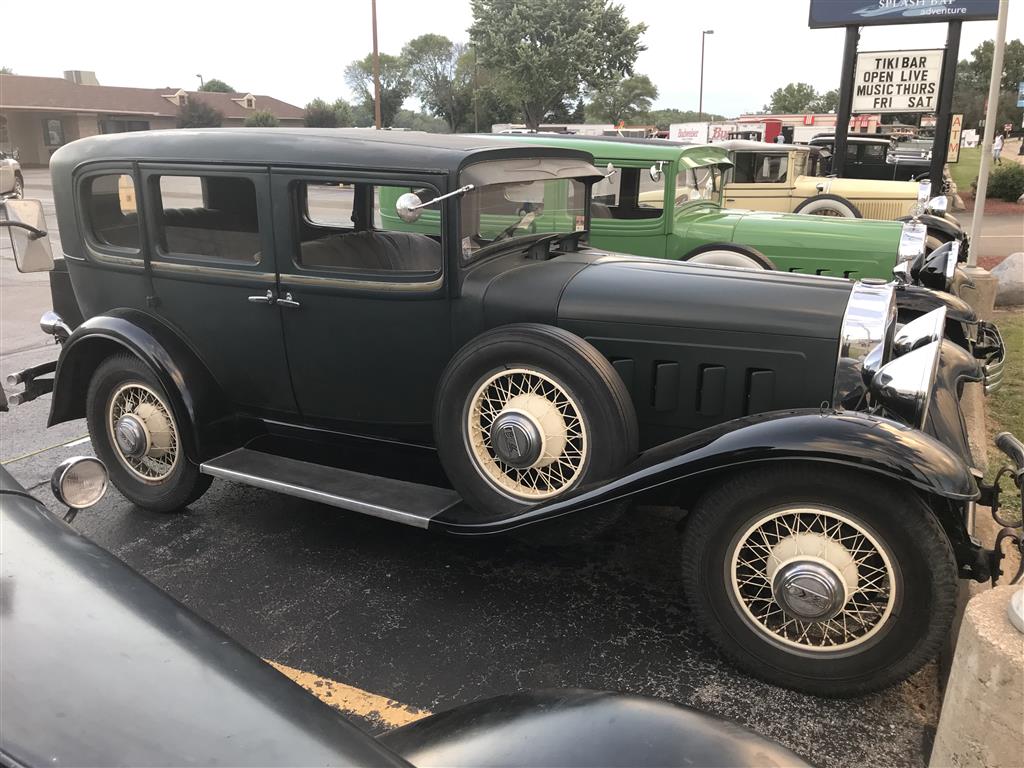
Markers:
{"x": 784, "y": 178}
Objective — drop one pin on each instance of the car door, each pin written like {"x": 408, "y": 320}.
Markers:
{"x": 760, "y": 181}
{"x": 365, "y": 309}
{"x": 214, "y": 275}
{"x": 627, "y": 210}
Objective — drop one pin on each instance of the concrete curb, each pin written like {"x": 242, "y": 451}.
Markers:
{"x": 983, "y": 711}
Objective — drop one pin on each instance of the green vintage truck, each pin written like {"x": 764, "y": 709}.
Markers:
{"x": 663, "y": 199}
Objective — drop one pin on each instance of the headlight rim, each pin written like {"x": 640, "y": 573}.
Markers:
{"x": 62, "y": 474}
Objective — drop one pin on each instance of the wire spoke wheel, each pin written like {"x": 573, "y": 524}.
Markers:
{"x": 142, "y": 432}
{"x": 812, "y": 578}
{"x": 526, "y": 434}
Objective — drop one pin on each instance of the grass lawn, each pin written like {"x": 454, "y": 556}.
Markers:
{"x": 965, "y": 171}
{"x": 1005, "y": 407}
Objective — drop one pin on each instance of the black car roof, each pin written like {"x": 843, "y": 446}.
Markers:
{"x": 351, "y": 147}
{"x": 853, "y": 138}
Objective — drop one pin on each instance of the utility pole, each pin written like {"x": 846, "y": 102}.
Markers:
{"x": 990, "y": 130}
{"x": 376, "y": 69}
{"x": 845, "y": 108}
{"x": 700, "y": 102}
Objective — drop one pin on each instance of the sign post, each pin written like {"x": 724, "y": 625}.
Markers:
{"x": 844, "y": 110}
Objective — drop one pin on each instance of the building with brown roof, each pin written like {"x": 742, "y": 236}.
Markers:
{"x": 39, "y": 114}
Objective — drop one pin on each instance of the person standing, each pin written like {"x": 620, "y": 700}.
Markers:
{"x": 997, "y": 149}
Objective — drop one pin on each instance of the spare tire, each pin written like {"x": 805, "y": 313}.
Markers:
{"x": 526, "y": 413}
{"x": 829, "y": 205}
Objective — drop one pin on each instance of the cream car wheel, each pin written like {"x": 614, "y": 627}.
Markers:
{"x": 526, "y": 434}
{"x": 142, "y": 432}
{"x": 812, "y": 578}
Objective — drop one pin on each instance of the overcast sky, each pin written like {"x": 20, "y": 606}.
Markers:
{"x": 298, "y": 50}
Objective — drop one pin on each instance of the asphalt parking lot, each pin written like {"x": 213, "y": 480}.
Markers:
{"x": 430, "y": 622}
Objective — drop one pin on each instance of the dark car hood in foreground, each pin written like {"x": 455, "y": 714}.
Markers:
{"x": 621, "y": 289}
{"x": 100, "y": 667}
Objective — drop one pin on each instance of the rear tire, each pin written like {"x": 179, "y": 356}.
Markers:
{"x": 526, "y": 414}
{"x": 153, "y": 472}
{"x": 820, "y": 579}
{"x": 829, "y": 205}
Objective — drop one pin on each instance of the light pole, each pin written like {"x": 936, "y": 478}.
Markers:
{"x": 700, "y": 104}
{"x": 201, "y": 83}
{"x": 376, "y": 69}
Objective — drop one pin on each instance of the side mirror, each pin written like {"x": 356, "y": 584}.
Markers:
{"x": 26, "y": 224}
{"x": 655, "y": 171}
{"x": 78, "y": 483}
{"x": 609, "y": 171}
{"x": 408, "y": 207}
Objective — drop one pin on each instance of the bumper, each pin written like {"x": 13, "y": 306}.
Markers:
{"x": 990, "y": 351}
{"x": 37, "y": 381}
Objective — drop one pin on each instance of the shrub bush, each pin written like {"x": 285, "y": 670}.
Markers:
{"x": 262, "y": 119}
{"x": 1007, "y": 181}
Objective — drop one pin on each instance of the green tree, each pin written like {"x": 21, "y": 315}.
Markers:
{"x": 6, "y": 71}
{"x": 198, "y": 114}
{"x": 970, "y": 92}
{"x": 792, "y": 99}
{"x": 624, "y": 100}
{"x": 420, "y": 121}
{"x": 320, "y": 114}
{"x": 826, "y": 102}
{"x": 544, "y": 55}
{"x": 263, "y": 118}
{"x": 443, "y": 83}
{"x": 663, "y": 118}
{"x": 213, "y": 85}
{"x": 395, "y": 86}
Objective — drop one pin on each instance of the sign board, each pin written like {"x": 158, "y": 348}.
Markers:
{"x": 863, "y": 13}
{"x": 702, "y": 133}
{"x": 897, "y": 81}
{"x": 1020, "y": 94}
{"x": 956, "y": 127}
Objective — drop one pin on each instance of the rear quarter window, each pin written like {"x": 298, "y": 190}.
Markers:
{"x": 110, "y": 212}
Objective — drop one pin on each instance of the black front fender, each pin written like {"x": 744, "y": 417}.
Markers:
{"x": 198, "y": 403}
{"x": 856, "y": 440}
{"x": 943, "y": 224}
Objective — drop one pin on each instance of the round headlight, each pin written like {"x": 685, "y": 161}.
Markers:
{"x": 79, "y": 482}
{"x": 905, "y": 384}
{"x": 938, "y": 204}
{"x": 923, "y": 330}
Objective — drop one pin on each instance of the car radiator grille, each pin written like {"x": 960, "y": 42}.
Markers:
{"x": 883, "y": 209}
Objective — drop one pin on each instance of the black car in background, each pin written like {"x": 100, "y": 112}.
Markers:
{"x": 250, "y": 315}
{"x": 878, "y": 157}
{"x": 100, "y": 667}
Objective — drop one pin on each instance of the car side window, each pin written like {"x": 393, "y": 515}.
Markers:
{"x": 874, "y": 153}
{"x": 111, "y": 216}
{"x": 352, "y": 228}
{"x": 622, "y": 196}
{"x": 771, "y": 169}
{"x": 208, "y": 217}
{"x": 743, "y": 167}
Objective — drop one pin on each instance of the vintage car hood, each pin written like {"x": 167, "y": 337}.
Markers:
{"x": 863, "y": 189}
{"x": 624, "y": 289}
{"x": 862, "y": 247}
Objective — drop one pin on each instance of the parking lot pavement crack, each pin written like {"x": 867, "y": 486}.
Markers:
{"x": 374, "y": 707}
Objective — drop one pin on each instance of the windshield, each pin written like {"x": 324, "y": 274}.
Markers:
{"x": 698, "y": 184}
{"x": 500, "y": 212}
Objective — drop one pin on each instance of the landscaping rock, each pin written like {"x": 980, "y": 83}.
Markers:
{"x": 1010, "y": 280}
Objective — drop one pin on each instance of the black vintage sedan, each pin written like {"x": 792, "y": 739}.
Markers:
{"x": 250, "y": 315}
{"x": 102, "y": 668}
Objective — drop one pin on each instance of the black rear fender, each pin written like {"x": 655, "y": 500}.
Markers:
{"x": 199, "y": 405}
{"x": 866, "y": 444}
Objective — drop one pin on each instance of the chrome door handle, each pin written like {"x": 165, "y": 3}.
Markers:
{"x": 267, "y": 298}
{"x": 288, "y": 301}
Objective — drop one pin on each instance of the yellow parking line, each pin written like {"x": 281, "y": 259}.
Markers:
{"x": 353, "y": 700}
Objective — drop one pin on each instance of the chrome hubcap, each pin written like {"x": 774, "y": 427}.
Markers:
{"x": 809, "y": 591}
{"x": 131, "y": 436}
{"x": 517, "y": 439}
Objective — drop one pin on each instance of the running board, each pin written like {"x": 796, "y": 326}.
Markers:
{"x": 396, "y": 500}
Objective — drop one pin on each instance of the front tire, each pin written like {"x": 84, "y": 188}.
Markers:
{"x": 819, "y": 579}
{"x": 134, "y": 431}
{"x": 527, "y": 413}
